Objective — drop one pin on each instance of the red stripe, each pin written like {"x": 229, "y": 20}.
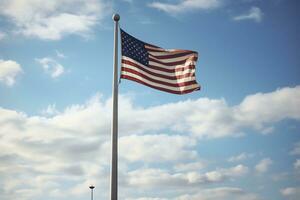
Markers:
{"x": 160, "y": 75}
{"x": 159, "y": 88}
{"x": 173, "y": 63}
{"x": 163, "y": 82}
{"x": 159, "y": 68}
{"x": 179, "y": 54}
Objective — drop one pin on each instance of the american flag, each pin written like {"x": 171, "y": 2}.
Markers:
{"x": 171, "y": 71}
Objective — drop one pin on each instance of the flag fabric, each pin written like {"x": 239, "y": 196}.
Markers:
{"x": 171, "y": 71}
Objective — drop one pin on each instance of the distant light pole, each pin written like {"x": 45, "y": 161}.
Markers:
{"x": 92, "y": 188}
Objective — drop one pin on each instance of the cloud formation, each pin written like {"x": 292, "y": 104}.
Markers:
{"x": 9, "y": 70}
{"x": 51, "y": 66}
{"x": 59, "y": 54}
{"x": 263, "y": 165}
{"x": 185, "y": 6}
{"x": 149, "y": 148}
{"x": 291, "y": 193}
{"x": 213, "y": 118}
{"x": 50, "y": 110}
{"x": 71, "y": 145}
{"x": 239, "y": 157}
{"x": 254, "y": 14}
{"x": 52, "y": 20}
{"x": 149, "y": 177}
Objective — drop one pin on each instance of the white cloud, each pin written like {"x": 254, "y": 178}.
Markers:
{"x": 263, "y": 165}
{"x": 256, "y": 108}
{"x": 50, "y": 110}
{"x": 254, "y": 13}
{"x": 214, "y": 118}
{"x": 149, "y": 178}
{"x": 291, "y": 193}
{"x": 51, "y": 20}
{"x": 185, "y": 6}
{"x": 47, "y": 152}
{"x": 51, "y": 66}
{"x": 221, "y": 174}
{"x": 9, "y": 70}
{"x": 239, "y": 157}
{"x": 149, "y": 148}
{"x": 41, "y": 154}
{"x": 202, "y": 117}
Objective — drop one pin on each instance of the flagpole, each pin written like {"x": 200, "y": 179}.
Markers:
{"x": 114, "y": 126}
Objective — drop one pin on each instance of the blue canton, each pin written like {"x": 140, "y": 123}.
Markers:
{"x": 134, "y": 48}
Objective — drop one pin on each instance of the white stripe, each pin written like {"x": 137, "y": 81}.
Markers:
{"x": 176, "y": 59}
{"x": 183, "y": 88}
{"x": 178, "y": 73}
{"x": 182, "y": 80}
{"x": 188, "y": 63}
{"x": 161, "y": 65}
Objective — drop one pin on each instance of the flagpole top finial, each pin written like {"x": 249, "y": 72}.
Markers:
{"x": 116, "y": 17}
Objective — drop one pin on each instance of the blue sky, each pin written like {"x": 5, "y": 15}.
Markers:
{"x": 237, "y": 138}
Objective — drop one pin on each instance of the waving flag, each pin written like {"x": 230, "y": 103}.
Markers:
{"x": 171, "y": 71}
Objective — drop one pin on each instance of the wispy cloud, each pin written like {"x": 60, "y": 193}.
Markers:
{"x": 51, "y": 66}
{"x": 239, "y": 157}
{"x": 50, "y": 110}
{"x": 152, "y": 177}
{"x": 185, "y": 6}
{"x": 9, "y": 70}
{"x": 263, "y": 165}
{"x": 254, "y": 14}
{"x": 292, "y": 193}
{"x": 60, "y": 54}
{"x": 52, "y": 20}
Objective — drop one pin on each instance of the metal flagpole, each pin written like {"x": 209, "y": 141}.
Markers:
{"x": 114, "y": 128}
{"x": 92, "y": 194}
